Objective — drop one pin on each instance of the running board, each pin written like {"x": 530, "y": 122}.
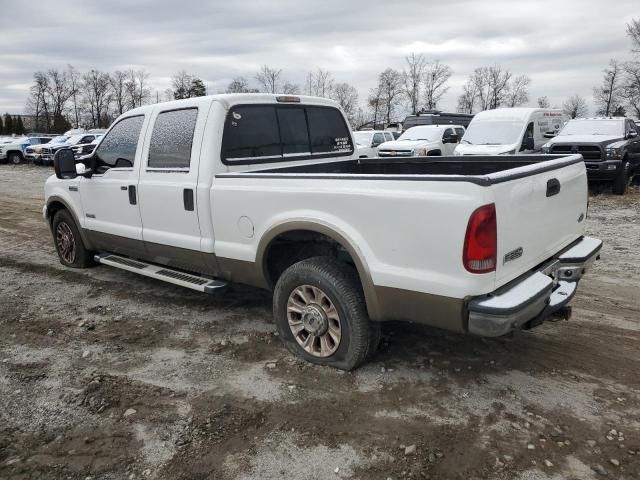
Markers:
{"x": 194, "y": 282}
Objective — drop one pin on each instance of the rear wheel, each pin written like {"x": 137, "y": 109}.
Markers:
{"x": 621, "y": 181}
{"x": 15, "y": 158}
{"x": 319, "y": 309}
{"x": 71, "y": 250}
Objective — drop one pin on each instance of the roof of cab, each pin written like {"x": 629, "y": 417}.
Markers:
{"x": 513, "y": 114}
{"x": 229, "y": 99}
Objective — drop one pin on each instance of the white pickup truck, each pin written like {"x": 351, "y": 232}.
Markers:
{"x": 266, "y": 190}
{"x": 424, "y": 140}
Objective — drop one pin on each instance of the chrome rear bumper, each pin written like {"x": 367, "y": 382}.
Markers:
{"x": 528, "y": 302}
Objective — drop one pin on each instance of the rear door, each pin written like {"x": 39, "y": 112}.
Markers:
{"x": 169, "y": 176}
{"x": 538, "y": 215}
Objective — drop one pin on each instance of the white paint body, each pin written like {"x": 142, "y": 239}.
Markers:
{"x": 409, "y": 234}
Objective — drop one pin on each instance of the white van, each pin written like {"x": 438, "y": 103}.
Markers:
{"x": 510, "y": 131}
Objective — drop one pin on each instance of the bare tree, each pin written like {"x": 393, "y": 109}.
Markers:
{"x": 436, "y": 76}
{"x": 608, "y": 97}
{"x": 633, "y": 30}
{"x": 479, "y": 83}
{"x": 467, "y": 100}
{"x": 75, "y": 81}
{"x": 291, "y": 88}
{"x": 118, "y": 81}
{"x": 240, "y": 85}
{"x": 517, "y": 91}
{"x": 320, "y": 83}
{"x": 181, "y": 83}
{"x": 138, "y": 91}
{"x": 96, "y": 87}
{"x": 412, "y": 78}
{"x": 498, "y": 85}
{"x": 575, "y": 107}
{"x": 390, "y": 87}
{"x": 374, "y": 101}
{"x": 543, "y": 102}
{"x": 37, "y": 103}
{"x": 59, "y": 92}
{"x": 631, "y": 87}
{"x": 346, "y": 96}
{"x": 269, "y": 79}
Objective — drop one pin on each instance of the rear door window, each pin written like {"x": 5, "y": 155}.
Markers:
{"x": 172, "y": 139}
{"x": 388, "y": 136}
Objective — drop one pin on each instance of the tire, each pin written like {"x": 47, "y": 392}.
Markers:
{"x": 334, "y": 303}
{"x": 68, "y": 242}
{"x": 15, "y": 158}
{"x": 621, "y": 181}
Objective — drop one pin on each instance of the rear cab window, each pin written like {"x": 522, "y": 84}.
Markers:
{"x": 274, "y": 133}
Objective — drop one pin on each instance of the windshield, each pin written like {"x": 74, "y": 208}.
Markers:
{"x": 75, "y": 138}
{"x": 363, "y": 138}
{"x": 60, "y": 139}
{"x": 493, "y": 133}
{"x": 429, "y": 134}
{"x": 594, "y": 127}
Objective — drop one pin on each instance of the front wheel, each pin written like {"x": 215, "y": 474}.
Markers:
{"x": 319, "y": 309}
{"x": 621, "y": 181}
{"x": 15, "y": 158}
{"x": 68, "y": 242}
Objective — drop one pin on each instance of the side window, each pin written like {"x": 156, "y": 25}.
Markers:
{"x": 172, "y": 139}
{"x": 329, "y": 132}
{"x": 460, "y": 133}
{"x": 293, "y": 131}
{"x": 87, "y": 139}
{"x": 118, "y": 148}
{"x": 378, "y": 138}
{"x": 388, "y": 137}
{"x": 251, "y": 132}
{"x": 447, "y": 133}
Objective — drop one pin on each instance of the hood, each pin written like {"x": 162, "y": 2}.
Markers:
{"x": 467, "y": 149}
{"x": 405, "y": 144}
{"x": 575, "y": 139}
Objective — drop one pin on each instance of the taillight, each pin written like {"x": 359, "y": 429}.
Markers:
{"x": 481, "y": 241}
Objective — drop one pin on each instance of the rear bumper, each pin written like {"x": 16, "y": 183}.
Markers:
{"x": 529, "y": 301}
{"x": 605, "y": 170}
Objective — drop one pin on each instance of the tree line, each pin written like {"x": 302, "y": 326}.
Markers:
{"x": 11, "y": 125}
{"x": 61, "y": 99}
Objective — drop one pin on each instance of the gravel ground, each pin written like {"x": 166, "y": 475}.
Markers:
{"x": 108, "y": 375}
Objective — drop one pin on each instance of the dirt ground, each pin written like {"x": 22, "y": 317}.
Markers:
{"x": 108, "y": 375}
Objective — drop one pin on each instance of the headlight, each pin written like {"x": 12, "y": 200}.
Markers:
{"x": 38, "y": 150}
{"x": 420, "y": 152}
{"x": 614, "y": 153}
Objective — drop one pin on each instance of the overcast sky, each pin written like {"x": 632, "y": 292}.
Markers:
{"x": 563, "y": 45}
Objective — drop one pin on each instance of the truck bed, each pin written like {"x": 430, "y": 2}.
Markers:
{"x": 482, "y": 170}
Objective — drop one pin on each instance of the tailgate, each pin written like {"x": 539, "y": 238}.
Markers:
{"x": 540, "y": 210}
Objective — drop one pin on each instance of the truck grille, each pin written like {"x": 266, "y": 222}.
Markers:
{"x": 588, "y": 152}
{"x": 395, "y": 153}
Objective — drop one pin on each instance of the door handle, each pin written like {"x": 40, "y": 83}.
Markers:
{"x": 132, "y": 194}
{"x": 553, "y": 187}
{"x": 187, "y": 198}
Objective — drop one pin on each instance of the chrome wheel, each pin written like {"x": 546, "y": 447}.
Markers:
{"x": 314, "y": 321}
{"x": 66, "y": 242}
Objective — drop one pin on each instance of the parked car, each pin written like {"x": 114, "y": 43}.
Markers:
{"x": 83, "y": 149}
{"x": 425, "y": 140}
{"x": 267, "y": 190}
{"x": 610, "y": 148}
{"x": 367, "y": 142}
{"x": 14, "y": 151}
{"x": 43, "y": 154}
{"x": 34, "y": 153}
{"x": 510, "y": 131}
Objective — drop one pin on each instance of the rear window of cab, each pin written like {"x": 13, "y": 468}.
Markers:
{"x": 273, "y": 133}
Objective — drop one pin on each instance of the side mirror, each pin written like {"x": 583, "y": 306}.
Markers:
{"x": 64, "y": 164}
{"x": 375, "y": 144}
{"x": 451, "y": 139}
{"x": 549, "y": 134}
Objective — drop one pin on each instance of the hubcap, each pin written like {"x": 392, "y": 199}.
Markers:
{"x": 314, "y": 321}
{"x": 66, "y": 243}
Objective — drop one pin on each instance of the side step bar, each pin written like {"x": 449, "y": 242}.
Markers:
{"x": 194, "y": 282}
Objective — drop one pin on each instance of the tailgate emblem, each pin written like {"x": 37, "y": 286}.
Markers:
{"x": 513, "y": 255}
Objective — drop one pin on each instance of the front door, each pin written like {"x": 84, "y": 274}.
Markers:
{"x": 168, "y": 182}
{"x": 109, "y": 197}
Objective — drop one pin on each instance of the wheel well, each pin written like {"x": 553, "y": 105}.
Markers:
{"x": 296, "y": 245}
{"x": 15, "y": 151}
{"x": 53, "y": 208}
{"x": 434, "y": 153}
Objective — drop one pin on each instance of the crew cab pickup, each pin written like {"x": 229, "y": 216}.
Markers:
{"x": 424, "y": 140}
{"x": 610, "y": 147}
{"x": 267, "y": 190}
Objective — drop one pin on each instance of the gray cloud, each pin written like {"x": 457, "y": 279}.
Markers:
{"x": 562, "y": 46}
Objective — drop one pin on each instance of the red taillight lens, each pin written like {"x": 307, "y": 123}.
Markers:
{"x": 481, "y": 241}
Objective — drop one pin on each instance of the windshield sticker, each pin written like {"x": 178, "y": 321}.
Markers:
{"x": 342, "y": 144}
